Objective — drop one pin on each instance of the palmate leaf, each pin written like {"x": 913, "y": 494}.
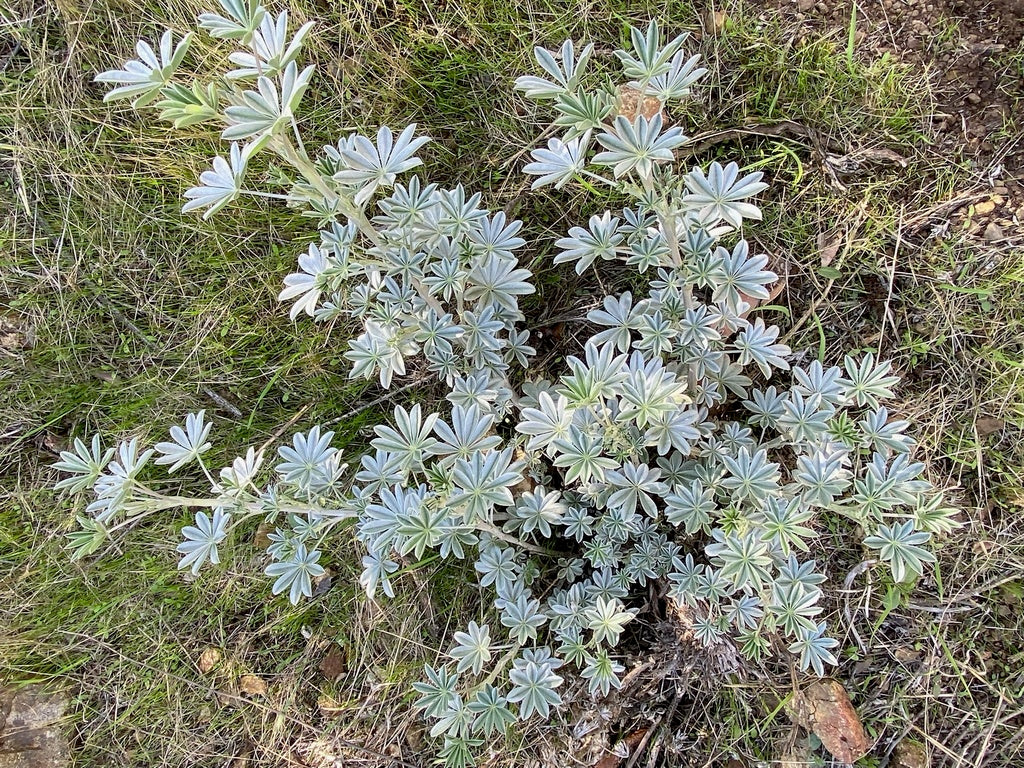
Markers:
{"x": 244, "y": 17}
{"x": 565, "y": 76}
{"x": 201, "y": 540}
{"x": 265, "y": 111}
{"x": 638, "y": 145}
{"x": 603, "y": 673}
{"x": 899, "y": 546}
{"x": 369, "y": 165}
{"x": 184, "y": 107}
{"x": 295, "y": 574}
{"x": 483, "y": 482}
{"x": 815, "y": 649}
{"x": 143, "y": 79}
{"x": 186, "y": 444}
{"x": 719, "y": 195}
{"x": 743, "y": 559}
{"x": 533, "y": 688}
{"x": 84, "y": 464}
{"x": 271, "y": 49}
{"x": 651, "y": 59}
{"x": 472, "y": 648}
{"x": 438, "y": 692}
{"x": 603, "y": 239}
{"x": 561, "y": 162}
{"x": 491, "y": 710}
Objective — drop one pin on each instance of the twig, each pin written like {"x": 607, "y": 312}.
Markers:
{"x": 377, "y": 401}
{"x": 666, "y": 721}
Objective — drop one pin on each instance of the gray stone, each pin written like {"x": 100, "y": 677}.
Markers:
{"x": 30, "y": 732}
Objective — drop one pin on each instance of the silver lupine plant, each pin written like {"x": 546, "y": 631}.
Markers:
{"x": 669, "y": 449}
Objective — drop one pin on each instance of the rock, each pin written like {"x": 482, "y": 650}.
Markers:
{"x": 992, "y": 232}
{"x": 909, "y": 754}
{"x": 985, "y": 207}
{"x": 825, "y": 708}
{"x": 805, "y": 5}
{"x": 30, "y": 736}
{"x": 974, "y": 98}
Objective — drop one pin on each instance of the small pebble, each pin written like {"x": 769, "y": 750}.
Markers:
{"x": 993, "y": 233}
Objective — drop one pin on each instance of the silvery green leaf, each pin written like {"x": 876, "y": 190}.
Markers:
{"x": 822, "y": 476}
{"x": 676, "y": 81}
{"x": 295, "y": 574}
{"x": 114, "y": 486}
{"x": 369, "y": 166}
{"x": 491, "y": 710}
{"x": 219, "y": 186}
{"x": 638, "y": 145}
{"x": 523, "y": 617}
{"x": 883, "y": 434}
{"x": 582, "y": 112}
{"x": 804, "y": 420}
{"x": 783, "y": 523}
{"x": 738, "y": 276}
{"x": 245, "y": 17}
{"x": 635, "y": 484}
{"x": 263, "y": 112}
{"x": 603, "y": 239}
{"x": 651, "y": 58}
{"x": 898, "y": 545}
{"x": 498, "y": 281}
{"x": 931, "y": 515}
{"x": 201, "y": 540}
{"x": 743, "y": 559}
{"x": 236, "y": 478}
{"x": 868, "y": 381}
{"x": 814, "y": 649}
{"x": 271, "y": 50}
{"x": 409, "y": 440}
{"x": 497, "y": 566}
{"x": 719, "y": 195}
{"x": 472, "y": 648}
{"x": 87, "y": 539}
{"x": 565, "y": 77}
{"x": 376, "y": 569}
{"x": 438, "y": 692}
{"x": 187, "y": 444}
{"x": 184, "y": 107}
{"x": 621, "y": 317}
{"x": 559, "y": 163}
{"x": 143, "y": 79}
{"x": 533, "y": 688}
{"x": 84, "y": 464}
{"x": 756, "y": 344}
{"x": 766, "y": 406}
{"x": 306, "y": 284}
{"x": 582, "y": 456}
{"x": 603, "y": 673}
{"x": 818, "y": 381}
{"x": 794, "y": 607}
{"x": 483, "y": 482}
{"x": 607, "y": 619}
{"x": 538, "y": 510}
{"x": 304, "y": 460}
{"x": 691, "y": 505}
